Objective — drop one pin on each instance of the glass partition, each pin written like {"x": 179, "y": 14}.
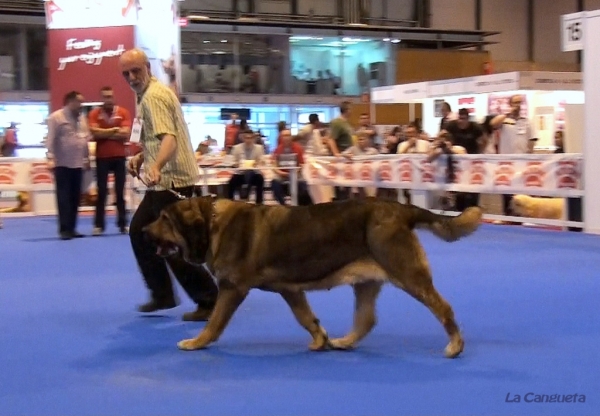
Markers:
{"x": 275, "y": 64}
{"x": 30, "y": 122}
{"x": 206, "y": 120}
{"x": 23, "y": 58}
{"x": 339, "y": 65}
{"x": 221, "y": 63}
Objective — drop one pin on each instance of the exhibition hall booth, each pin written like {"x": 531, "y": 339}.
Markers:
{"x": 551, "y": 102}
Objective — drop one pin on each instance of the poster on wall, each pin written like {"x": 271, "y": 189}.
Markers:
{"x": 438, "y": 107}
{"x": 468, "y": 103}
{"x": 157, "y": 33}
{"x": 500, "y": 104}
{"x": 85, "y": 60}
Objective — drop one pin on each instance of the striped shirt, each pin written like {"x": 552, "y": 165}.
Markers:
{"x": 159, "y": 111}
{"x": 67, "y": 140}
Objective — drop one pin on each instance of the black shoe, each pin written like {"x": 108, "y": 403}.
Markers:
{"x": 66, "y": 236}
{"x": 155, "y": 305}
{"x": 199, "y": 315}
{"x": 75, "y": 234}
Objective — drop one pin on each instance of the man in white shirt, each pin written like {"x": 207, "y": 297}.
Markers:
{"x": 515, "y": 136}
{"x": 363, "y": 148}
{"x": 248, "y": 156}
{"x": 413, "y": 144}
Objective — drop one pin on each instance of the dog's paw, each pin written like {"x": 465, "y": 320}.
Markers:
{"x": 189, "y": 345}
{"x": 454, "y": 348}
{"x": 321, "y": 342}
{"x": 341, "y": 344}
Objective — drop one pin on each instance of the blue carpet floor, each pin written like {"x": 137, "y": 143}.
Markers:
{"x": 71, "y": 342}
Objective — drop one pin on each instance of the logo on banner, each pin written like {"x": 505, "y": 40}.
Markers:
{"x": 427, "y": 172}
{"x": 39, "y": 174}
{"x": 567, "y": 174}
{"x": 349, "y": 171}
{"x": 477, "y": 172}
{"x": 93, "y": 56}
{"x": 385, "y": 171}
{"x": 313, "y": 171}
{"x": 534, "y": 175}
{"x": 224, "y": 174}
{"x": 7, "y": 174}
{"x": 504, "y": 174}
{"x": 366, "y": 170}
{"x": 332, "y": 171}
{"x": 405, "y": 170}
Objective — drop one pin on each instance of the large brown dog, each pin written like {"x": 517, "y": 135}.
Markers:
{"x": 363, "y": 243}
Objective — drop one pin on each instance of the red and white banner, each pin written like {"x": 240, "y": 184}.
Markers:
{"x": 552, "y": 175}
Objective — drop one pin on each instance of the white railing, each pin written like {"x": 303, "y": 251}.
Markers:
{"x": 550, "y": 175}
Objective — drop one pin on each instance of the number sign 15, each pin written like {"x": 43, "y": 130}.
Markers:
{"x": 573, "y": 31}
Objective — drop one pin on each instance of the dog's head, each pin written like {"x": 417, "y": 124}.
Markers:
{"x": 183, "y": 229}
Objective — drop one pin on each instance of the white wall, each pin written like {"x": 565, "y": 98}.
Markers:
{"x": 510, "y": 18}
{"x": 453, "y": 14}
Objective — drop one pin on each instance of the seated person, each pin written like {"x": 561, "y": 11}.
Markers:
{"x": 363, "y": 148}
{"x": 288, "y": 153}
{"x": 413, "y": 144}
{"x": 247, "y": 156}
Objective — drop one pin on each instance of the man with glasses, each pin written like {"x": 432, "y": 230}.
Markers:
{"x": 169, "y": 163}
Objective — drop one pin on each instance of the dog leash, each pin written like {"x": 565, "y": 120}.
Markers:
{"x": 177, "y": 194}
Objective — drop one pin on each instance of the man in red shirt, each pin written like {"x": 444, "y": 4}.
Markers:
{"x": 111, "y": 126}
{"x": 232, "y": 131}
{"x": 288, "y": 153}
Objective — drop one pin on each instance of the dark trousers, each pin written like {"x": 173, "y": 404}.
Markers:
{"x": 281, "y": 189}
{"x": 195, "y": 280}
{"x": 68, "y": 197}
{"x": 465, "y": 200}
{"x": 116, "y": 165}
{"x": 252, "y": 179}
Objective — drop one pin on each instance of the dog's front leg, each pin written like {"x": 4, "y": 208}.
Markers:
{"x": 229, "y": 299}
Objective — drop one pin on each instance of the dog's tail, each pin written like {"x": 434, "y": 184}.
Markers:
{"x": 448, "y": 228}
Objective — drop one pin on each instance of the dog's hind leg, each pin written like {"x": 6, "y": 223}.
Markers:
{"x": 404, "y": 259}
{"x": 365, "y": 317}
{"x": 304, "y": 315}
{"x": 229, "y": 299}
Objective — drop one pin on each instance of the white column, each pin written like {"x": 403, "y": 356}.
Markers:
{"x": 23, "y": 59}
{"x": 591, "y": 141}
